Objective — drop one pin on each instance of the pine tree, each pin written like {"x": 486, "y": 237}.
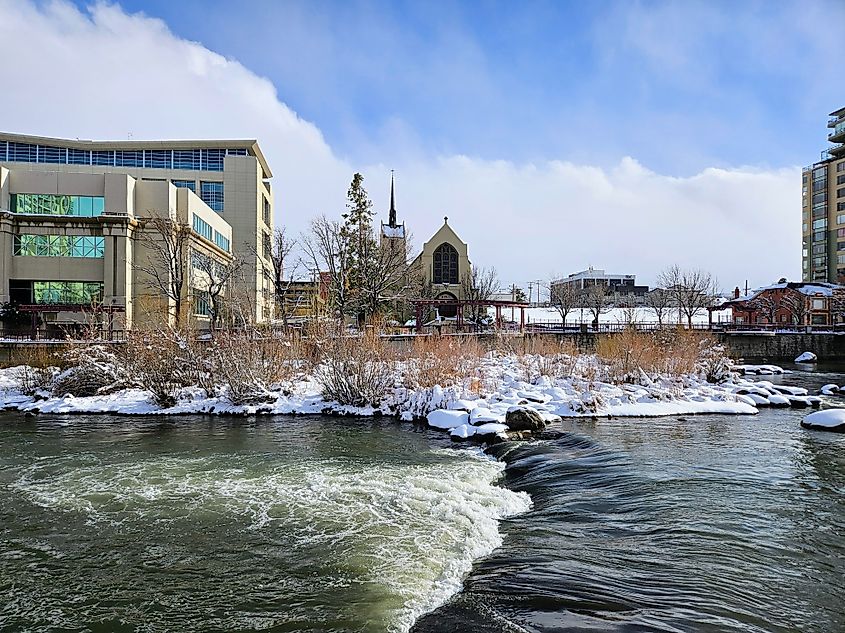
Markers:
{"x": 357, "y": 232}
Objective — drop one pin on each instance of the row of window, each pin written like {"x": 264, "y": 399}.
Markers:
{"x": 58, "y": 246}
{"x": 193, "y": 159}
{"x": 203, "y": 228}
{"x": 69, "y": 292}
{"x": 52, "y": 204}
{"x": 210, "y": 192}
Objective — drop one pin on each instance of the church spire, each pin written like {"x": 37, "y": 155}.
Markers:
{"x": 392, "y": 218}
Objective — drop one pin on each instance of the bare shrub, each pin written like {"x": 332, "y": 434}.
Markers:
{"x": 37, "y": 367}
{"x": 161, "y": 360}
{"x": 250, "y": 363}
{"x": 441, "y": 360}
{"x": 93, "y": 369}
{"x": 356, "y": 371}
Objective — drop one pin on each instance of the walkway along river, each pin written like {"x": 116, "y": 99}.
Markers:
{"x": 709, "y": 523}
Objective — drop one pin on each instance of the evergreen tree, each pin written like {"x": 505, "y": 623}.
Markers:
{"x": 357, "y": 233}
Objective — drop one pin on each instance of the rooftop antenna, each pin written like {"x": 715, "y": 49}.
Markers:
{"x": 129, "y": 136}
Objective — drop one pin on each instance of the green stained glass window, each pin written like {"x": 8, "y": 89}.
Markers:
{"x": 58, "y": 246}
{"x": 50, "y": 204}
{"x": 68, "y": 292}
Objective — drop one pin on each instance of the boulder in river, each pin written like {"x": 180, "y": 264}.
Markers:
{"x": 807, "y": 357}
{"x": 828, "y": 420}
{"x": 519, "y": 419}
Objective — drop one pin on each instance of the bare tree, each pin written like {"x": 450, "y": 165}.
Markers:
{"x": 660, "y": 301}
{"x": 278, "y": 266}
{"x": 384, "y": 274}
{"x": 597, "y": 300}
{"x": 167, "y": 242}
{"x": 796, "y": 303}
{"x": 326, "y": 250}
{"x": 477, "y": 286}
{"x": 691, "y": 290}
{"x": 215, "y": 277}
{"x": 767, "y": 303}
{"x": 563, "y": 298}
{"x": 627, "y": 305}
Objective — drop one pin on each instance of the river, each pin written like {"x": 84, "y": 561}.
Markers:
{"x": 709, "y": 523}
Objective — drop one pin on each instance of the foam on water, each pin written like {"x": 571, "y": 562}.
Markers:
{"x": 411, "y": 530}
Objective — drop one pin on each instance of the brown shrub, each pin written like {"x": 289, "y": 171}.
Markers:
{"x": 356, "y": 371}
{"x": 442, "y": 360}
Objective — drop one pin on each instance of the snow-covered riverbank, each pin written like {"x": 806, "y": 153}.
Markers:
{"x": 501, "y": 383}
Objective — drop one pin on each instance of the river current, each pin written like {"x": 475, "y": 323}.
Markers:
{"x": 709, "y": 523}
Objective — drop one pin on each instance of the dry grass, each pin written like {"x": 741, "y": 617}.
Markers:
{"x": 442, "y": 360}
{"x": 38, "y": 366}
{"x": 669, "y": 352}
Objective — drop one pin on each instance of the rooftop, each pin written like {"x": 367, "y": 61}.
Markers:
{"x": 251, "y": 145}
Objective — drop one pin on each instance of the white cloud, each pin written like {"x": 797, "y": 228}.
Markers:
{"x": 105, "y": 74}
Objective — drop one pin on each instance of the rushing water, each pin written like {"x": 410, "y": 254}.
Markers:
{"x": 709, "y": 523}
{"x": 114, "y": 524}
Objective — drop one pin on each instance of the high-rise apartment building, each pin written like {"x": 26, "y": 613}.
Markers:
{"x": 231, "y": 178}
{"x": 823, "y": 209}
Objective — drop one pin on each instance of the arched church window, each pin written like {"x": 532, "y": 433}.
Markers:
{"x": 445, "y": 264}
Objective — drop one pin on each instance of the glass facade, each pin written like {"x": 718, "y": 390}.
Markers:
{"x": 185, "y": 184}
{"x": 212, "y": 194}
{"x": 69, "y": 292}
{"x": 202, "y": 303}
{"x": 202, "y": 227}
{"x": 58, "y": 246}
{"x": 221, "y": 241}
{"x": 193, "y": 159}
{"x": 50, "y": 204}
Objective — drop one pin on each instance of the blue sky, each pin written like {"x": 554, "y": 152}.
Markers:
{"x": 679, "y": 85}
{"x": 627, "y": 136}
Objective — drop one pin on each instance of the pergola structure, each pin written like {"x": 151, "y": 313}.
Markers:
{"x": 37, "y": 308}
{"x": 422, "y": 305}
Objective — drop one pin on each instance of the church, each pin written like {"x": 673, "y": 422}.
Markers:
{"x": 441, "y": 266}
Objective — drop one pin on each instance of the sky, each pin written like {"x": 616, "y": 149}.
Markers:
{"x": 555, "y": 136}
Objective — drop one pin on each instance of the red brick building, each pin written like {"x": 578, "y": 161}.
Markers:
{"x": 788, "y": 303}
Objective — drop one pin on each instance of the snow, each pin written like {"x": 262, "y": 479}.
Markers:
{"x": 828, "y": 420}
{"x": 806, "y": 357}
{"x": 829, "y": 390}
{"x": 613, "y": 316}
{"x": 447, "y": 419}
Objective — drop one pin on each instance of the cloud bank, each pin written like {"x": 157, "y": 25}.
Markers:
{"x": 104, "y": 74}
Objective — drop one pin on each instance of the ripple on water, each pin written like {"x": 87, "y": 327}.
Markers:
{"x": 309, "y": 544}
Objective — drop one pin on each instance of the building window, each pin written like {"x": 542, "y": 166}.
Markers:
{"x": 69, "y": 292}
{"x": 212, "y": 194}
{"x": 185, "y": 184}
{"x": 158, "y": 159}
{"x": 818, "y": 319}
{"x": 202, "y": 227}
{"x": 266, "y": 211}
{"x": 840, "y": 193}
{"x": 58, "y": 246}
{"x": 129, "y": 158}
{"x": 222, "y": 241}
{"x": 212, "y": 159}
{"x": 186, "y": 159}
{"x": 202, "y": 303}
{"x": 49, "y": 204}
{"x": 105, "y": 157}
{"x": 268, "y": 247}
{"x": 820, "y": 224}
{"x": 445, "y": 265}
{"x": 818, "y": 237}
{"x": 840, "y": 180}
{"x": 840, "y": 166}
{"x": 819, "y": 249}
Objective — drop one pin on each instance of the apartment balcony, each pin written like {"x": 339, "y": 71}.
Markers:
{"x": 838, "y": 135}
{"x": 836, "y": 150}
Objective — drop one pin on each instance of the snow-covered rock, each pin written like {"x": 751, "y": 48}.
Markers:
{"x": 828, "y": 420}
{"x": 447, "y": 419}
{"x": 829, "y": 390}
{"x": 491, "y": 428}
{"x": 462, "y": 432}
{"x": 807, "y": 357}
{"x": 778, "y": 401}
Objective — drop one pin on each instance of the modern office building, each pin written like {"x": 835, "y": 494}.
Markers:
{"x": 230, "y": 177}
{"x": 80, "y": 247}
{"x": 823, "y": 209}
{"x": 618, "y": 286}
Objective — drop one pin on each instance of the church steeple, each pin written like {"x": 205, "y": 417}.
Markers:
{"x": 391, "y": 222}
